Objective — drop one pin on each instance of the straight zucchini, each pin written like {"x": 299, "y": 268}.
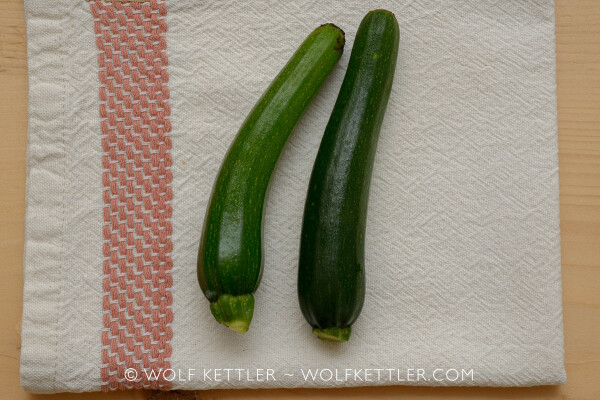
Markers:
{"x": 331, "y": 277}
{"x": 230, "y": 254}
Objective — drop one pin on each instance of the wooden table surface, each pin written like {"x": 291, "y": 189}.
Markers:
{"x": 578, "y": 75}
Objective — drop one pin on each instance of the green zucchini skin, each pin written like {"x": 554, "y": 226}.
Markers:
{"x": 230, "y": 255}
{"x": 331, "y": 276}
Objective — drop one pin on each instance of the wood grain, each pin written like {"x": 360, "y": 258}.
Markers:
{"x": 578, "y": 76}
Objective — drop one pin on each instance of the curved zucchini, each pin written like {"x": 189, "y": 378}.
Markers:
{"x": 331, "y": 277}
{"x": 230, "y": 254}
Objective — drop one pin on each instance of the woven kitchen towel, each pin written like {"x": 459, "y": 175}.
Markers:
{"x": 133, "y": 105}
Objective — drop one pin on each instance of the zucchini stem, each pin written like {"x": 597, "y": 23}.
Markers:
{"x": 334, "y": 334}
{"x": 234, "y": 311}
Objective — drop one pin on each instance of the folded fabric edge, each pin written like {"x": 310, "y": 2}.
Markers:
{"x": 44, "y": 215}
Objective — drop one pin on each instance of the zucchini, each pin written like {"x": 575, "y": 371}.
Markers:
{"x": 230, "y": 254}
{"x": 331, "y": 276}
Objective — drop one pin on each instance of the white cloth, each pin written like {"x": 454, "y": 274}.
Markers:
{"x": 463, "y": 242}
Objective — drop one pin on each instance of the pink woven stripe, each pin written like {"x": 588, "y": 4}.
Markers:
{"x": 137, "y": 192}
